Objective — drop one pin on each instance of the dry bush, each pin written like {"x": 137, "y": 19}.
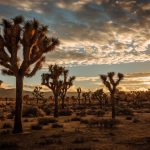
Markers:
{"x": 124, "y": 111}
{"x": 47, "y": 109}
{"x": 46, "y": 120}
{"x": 36, "y": 127}
{"x": 6, "y": 125}
{"x": 76, "y": 118}
{"x": 32, "y": 111}
{"x": 65, "y": 112}
{"x": 57, "y": 125}
{"x": 9, "y": 145}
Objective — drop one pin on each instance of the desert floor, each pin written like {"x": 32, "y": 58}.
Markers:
{"x": 130, "y": 133}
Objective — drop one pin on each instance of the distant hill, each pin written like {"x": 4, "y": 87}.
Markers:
{"x": 10, "y": 93}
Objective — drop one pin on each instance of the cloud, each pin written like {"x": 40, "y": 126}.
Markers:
{"x": 91, "y": 31}
{"x": 131, "y": 81}
{"x": 6, "y": 86}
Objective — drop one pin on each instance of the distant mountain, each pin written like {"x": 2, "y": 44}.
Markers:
{"x": 10, "y": 93}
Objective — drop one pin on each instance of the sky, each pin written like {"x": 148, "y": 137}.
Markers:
{"x": 97, "y": 36}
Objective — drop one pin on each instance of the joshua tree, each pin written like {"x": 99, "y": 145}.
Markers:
{"x": 79, "y": 94}
{"x": 30, "y": 38}
{"x": 87, "y": 96}
{"x": 111, "y": 84}
{"x": 38, "y": 94}
{"x": 54, "y": 82}
{"x": 1, "y": 82}
{"x": 66, "y": 84}
{"x": 101, "y": 97}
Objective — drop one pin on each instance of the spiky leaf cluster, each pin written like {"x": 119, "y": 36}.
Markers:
{"x": 37, "y": 93}
{"x": 109, "y": 81}
{"x": 28, "y": 37}
{"x": 57, "y": 79}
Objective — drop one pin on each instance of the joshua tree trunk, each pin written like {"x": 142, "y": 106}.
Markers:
{"x": 18, "y": 107}
{"x": 113, "y": 106}
{"x": 63, "y": 102}
{"x": 56, "y": 107}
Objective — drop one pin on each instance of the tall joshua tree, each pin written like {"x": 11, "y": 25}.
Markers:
{"x": 66, "y": 84}
{"x": 54, "y": 82}
{"x": 109, "y": 81}
{"x": 30, "y": 38}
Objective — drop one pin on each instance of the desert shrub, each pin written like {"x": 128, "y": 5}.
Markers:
{"x": 84, "y": 121}
{"x": 6, "y": 131}
{"x": 108, "y": 123}
{"x": 1, "y": 114}
{"x": 124, "y": 111}
{"x": 6, "y": 125}
{"x": 67, "y": 120}
{"x": 100, "y": 113}
{"x": 80, "y": 107}
{"x": 128, "y": 118}
{"x": 75, "y": 119}
{"x": 81, "y": 113}
{"x": 91, "y": 112}
{"x": 135, "y": 120}
{"x": 103, "y": 123}
{"x": 47, "y": 109}
{"x": 8, "y": 145}
{"x": 79, "y": 140}
{"x": 46, "y": 120}
{"x": 36, "y": 127}
{"x": 65, "y": 112}
{"x": 80, "y": 147}
{"x": 48, "y": 141}
{"x": 10, "y": 116}
{"x": 26, "y": 120}
{"x": 32, "y": 111}
{"x": 57, "y": 125}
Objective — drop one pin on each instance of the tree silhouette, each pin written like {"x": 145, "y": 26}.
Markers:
{"x": 30, "y": 38}
{"x": 54, "y": 82}
{"x": 101, "y": 97}
{"x": 66, "y": 84}
{"x": 38, "y": 94}
{"x": 109, "y": 81}
{"x": 79, "y": 95}
{"x": 87, "y": 96}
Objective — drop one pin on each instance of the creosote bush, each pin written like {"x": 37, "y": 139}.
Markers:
{"x": 36, "y": 127}
{"x": 8, "y": 145}
{"x": 6, "y": 125}
{"x": 57, "y": 125}
{"x": 46, "y": 120}
{"x": 32, "y": 111}
{"x": 65, "y": 112}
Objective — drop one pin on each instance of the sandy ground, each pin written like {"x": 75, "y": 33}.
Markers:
{"x": 126, "y": 135}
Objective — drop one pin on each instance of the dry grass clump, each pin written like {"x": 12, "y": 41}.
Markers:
{"x": 57, "y": 125}
{"x": 36, "y": 127}
{"x": 46, "y": 120}
{"x": 9, "y": 145}
{"x": 32, "y": 111}
{"x": 6, "y": 125}
{"x": 65, "y": 112}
